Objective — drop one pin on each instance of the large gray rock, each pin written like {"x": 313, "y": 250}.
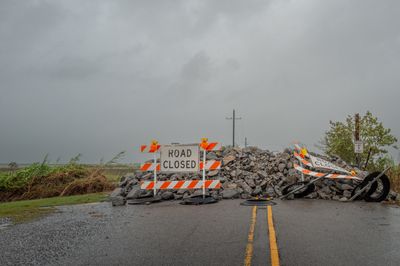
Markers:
{"x": 281, "y": 167}
{"x": 250, "y": 182}
{"x": 246, "y": 188}
{"x": 228, "y": 159}
{"x": 323, "y": 195}
{"x": 118, "y": 201}
{"x": 347, "y": 194}
{"x": 257, "y": 191}
{"x": 116, "y": 197}
{"x": 116, "y": 192}
{"x": 230, "y": 194}
{"x": 344, "y": 186}
{"x": 213, "y": 173}
{"x": 134, "y": 193}
{"x": 167, "y": 195}
{"x": 231, "y": 186}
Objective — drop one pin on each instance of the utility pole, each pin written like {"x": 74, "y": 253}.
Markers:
{"x": 233, "y": 118}
{"x": 245, "y": 142}
{"x": 357, "y": 135}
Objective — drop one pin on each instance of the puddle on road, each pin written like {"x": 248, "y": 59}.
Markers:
{"x": 96, "y": 214}
{"x": 5, "y": 223}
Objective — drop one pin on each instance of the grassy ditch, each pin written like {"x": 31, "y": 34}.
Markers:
{"x": 25, "y": 210}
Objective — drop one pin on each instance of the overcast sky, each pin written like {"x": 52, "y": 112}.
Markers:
{"x": 99, "y": 77}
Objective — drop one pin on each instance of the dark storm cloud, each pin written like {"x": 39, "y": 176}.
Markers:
{"x": 97, "y": 77}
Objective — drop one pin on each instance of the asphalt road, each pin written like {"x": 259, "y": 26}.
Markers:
{"x": 308, "y": 232}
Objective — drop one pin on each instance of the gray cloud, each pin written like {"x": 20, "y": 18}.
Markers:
{"x": 97, "y": 77}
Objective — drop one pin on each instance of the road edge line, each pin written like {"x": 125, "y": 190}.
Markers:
{"x": 272, "y": 239}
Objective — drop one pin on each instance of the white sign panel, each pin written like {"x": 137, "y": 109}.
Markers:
{"x": 323, "y": 164}
{"x": 358, "y": 146}
{"x": 180, "y": 158}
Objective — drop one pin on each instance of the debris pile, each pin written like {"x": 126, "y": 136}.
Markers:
{"x": 245, "y": 173}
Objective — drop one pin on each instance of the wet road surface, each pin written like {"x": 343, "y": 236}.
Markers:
{"x": 308, "y": 232}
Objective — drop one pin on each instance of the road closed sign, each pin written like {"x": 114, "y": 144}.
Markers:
{"x": 179, "y": 158}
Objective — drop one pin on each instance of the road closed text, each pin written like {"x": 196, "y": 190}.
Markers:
{"x": 180, "y": 158}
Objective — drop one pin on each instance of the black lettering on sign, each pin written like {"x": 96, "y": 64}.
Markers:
{"x": 193, "y": 164}
{"x": 176, "y": 164}
{"x": 165, "y": 164}
{"x": 188, "y": 153}
{"x": 170, "y": 153}
{"x": 183, "y": 153}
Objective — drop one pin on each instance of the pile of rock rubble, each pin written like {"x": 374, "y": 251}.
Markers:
{"x": 245, "y": 173}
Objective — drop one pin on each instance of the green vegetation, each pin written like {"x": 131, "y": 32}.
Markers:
{"x": 19, "y": 179}
{"x": 377, "y": 139}
{"x": 394, "y": 174}
{"x": 25, "y": 210}
{"x": 42, "y": 180}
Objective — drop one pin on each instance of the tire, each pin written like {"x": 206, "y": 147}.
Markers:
{"x": 363, "y": 184}
{"x": 381, "y": 190}
{"x": 302, "y": 192}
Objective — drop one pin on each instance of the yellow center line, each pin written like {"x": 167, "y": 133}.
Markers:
{"x": 250, "y": 238}
{"x": 272, "y": 240}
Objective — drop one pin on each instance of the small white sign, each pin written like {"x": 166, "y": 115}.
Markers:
{"x": 358, "y": 146}
{"x": 180, "y": 158}
{"x": 323, "y": 164}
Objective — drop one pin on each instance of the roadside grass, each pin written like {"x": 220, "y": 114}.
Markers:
{"x": 114, "y": 175}
{"x": 26, "y": 210}
{"x": 394, "y": 175}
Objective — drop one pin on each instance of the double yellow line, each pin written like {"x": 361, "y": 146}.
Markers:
{"x": 272, "y": 238}
{"x": 250, "y": 238}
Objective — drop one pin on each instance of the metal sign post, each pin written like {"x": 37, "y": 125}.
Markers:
{"x": 154, "y": 146}
{"x": 204, "y": 175}
{"x": 302, "y": 175}
{"x": 155, "y": 174}
{"x": 357, "y": 139}
{"x": 204, "y": 144}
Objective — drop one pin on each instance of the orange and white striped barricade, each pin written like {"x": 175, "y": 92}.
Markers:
{"x": 150, "y": 167}
{"x": 302, "y": 152}
{"x": 186, "y": 184}
{"x": 329, "y": 175}
{"x": 335, "y": 172}
{"x": 208, "y": 165}
{"x": 181, "y": 158}
{"x": 154, "y": 148}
